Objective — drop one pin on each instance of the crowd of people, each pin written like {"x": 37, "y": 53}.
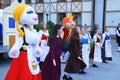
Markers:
{"x": 34, "y": 59}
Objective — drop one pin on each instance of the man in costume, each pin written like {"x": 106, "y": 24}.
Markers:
{"x": 68, "y": 23}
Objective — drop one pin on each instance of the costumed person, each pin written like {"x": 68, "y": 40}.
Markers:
{"x": 88, "y": 34}
{"x": 106, "y": 46}
{"x": 24, "y": 65}
{"x": 75, "y": 63}
{"x": 51, "y": 69}
{"x": 68, "y": 23}
{"x": 118, "y": 36}
{"x": 95, "y": 53}
{"x": 95, "y": 26}
{"x": 44, "y": 34}
{"x": 85, "y": 47}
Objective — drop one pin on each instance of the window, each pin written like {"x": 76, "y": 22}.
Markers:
{"x": 75, "y": 0}
{"x": 7, "y": 1}
{"x": 11, "y": 23}
{"x": 62, "y": 0}
{"x": 78, "y": 20}
{"x": 40, "y": 1}
{"x": 40, "y": 17}
{"x": 61, "y": 16}
{"x": 27, "y": 1}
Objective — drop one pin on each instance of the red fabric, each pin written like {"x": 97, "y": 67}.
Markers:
{"x": 44, "y": 37}
{"x": 19, "y": 69}
{"x": 66, "y": 33}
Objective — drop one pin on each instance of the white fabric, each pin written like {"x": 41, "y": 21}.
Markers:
{"x": 118, "y": 48}
{"x": 32, "y": 38}
{"x": 44, "y": 46}
{"x": 43, "y": 32}
{"x": 108, "y": 51}
{"x": 16, "y": 47}
{"x": 97, "y": 50}
{"x": 29, "y": 17}
{"x": 32, "y": 58}
{"x": 45, "y": 51}
{"x": 85, "y": 50}
{"x": 85, "y": 54}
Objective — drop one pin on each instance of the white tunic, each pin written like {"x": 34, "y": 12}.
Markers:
{"x": 97, "y": 49}
{"x": 32, "y": 38}
{"x": 108, "y": 51}
{"x": 45, "y": 48}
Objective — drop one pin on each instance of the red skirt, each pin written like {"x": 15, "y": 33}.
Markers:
{"x": 19, "y": 69}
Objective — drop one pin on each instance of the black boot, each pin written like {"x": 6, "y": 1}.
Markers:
{"x": 94, "y": 65}
{"x": 70, "y": 78}
{"x": 109, "y": 58}
{"x": 65, "y": 77}
{"x": 82, "y": 72}
{"x": 104, "y": 61}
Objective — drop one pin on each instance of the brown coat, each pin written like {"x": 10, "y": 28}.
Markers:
{"x": 74, "y": 65}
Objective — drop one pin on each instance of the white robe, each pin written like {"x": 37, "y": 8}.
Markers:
{"x": 45, "y": 48}
{"x": 97, "y": 49}
{"x": 85, "y": 51}
{"x": 108, "y": 51}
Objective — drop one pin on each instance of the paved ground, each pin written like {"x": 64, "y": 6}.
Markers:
{"x": 105, "y": 71}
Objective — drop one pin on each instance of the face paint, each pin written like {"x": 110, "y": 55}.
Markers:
{"x": 29, "y": 17}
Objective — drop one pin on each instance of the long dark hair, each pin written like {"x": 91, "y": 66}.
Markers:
{"x": 73, "y": 33}
{"x": 55, "y": 31}
{"x": 56, "y": 28}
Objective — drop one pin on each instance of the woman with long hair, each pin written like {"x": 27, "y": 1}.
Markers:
{"x": 51, "y": 69}
{"x": 75, "y": 63}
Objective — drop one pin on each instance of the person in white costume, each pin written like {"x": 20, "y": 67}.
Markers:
{"x": 107, "y": 53}
{"x": 97, "y": 50}
{"x": 24, "y": 65}
{"x": 95, "y": 53}
{"x": 89, "y": 35}
{"x": 44, "y": 34}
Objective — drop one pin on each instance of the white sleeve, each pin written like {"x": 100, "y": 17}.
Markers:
{"x": 95, "y": 38}
{"x": 118, "y": 34}
{"x": 89, "y": 35}
{"x": 16, "y": 47}
{"x": 47, "y": 33}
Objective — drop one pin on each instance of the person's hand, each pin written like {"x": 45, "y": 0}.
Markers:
{"x": 79, "y": 58}
{"x": 37, "y": 52}
{"x": 61, "y": 58}
{"x": 54, "y": 62}
{"x": 14, "y": 52}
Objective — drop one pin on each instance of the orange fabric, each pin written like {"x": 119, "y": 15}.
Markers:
{"x": 19, "y": 69}
{"x": 65, "y": 20}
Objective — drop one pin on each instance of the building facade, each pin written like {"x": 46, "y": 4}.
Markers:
{"x": 105, "y": 13}
{"x": 56, "y": 10}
